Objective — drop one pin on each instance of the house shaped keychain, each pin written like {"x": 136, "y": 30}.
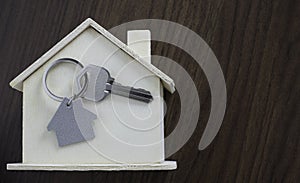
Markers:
{"x": 72, "y": 123}
{"x": 118, "y": 133}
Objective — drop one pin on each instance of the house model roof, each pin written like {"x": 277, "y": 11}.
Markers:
{"x": 17, "y": 83}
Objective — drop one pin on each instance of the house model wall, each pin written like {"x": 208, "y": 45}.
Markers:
{"x": 128, "y": 133}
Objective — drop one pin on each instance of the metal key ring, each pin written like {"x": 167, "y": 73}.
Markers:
{"x": 53, "y": 64}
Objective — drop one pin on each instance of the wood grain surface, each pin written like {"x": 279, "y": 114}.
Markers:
{"x": 257, "y": 43}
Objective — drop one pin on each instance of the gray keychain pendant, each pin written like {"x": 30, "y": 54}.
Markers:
{"x": 101, "y": 84}
{"x": 71, "y": 122}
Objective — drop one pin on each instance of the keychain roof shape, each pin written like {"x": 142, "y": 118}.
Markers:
{"x": 16, "y": 83}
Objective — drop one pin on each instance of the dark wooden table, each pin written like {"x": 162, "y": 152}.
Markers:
{"x": 257, "y": 43}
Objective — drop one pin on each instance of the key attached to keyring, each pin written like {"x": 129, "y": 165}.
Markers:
{"x": 71, "y": 122}
{"x": 101, "y": 84}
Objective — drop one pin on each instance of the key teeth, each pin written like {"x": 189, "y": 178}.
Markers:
{"x": 151, "y": 99}
{"x": 110, "y": 80}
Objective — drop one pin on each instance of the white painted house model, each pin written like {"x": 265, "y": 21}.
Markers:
{"x": 129, "y": 135}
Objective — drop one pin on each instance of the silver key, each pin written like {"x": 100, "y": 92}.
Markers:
{"x": 101, "y": 84}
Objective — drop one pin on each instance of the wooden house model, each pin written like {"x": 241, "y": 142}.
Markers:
{"x": 129, "y": 135}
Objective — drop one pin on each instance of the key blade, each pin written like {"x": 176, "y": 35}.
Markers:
{"x": 130, "y": 92}
{"x": 140, "y": 94}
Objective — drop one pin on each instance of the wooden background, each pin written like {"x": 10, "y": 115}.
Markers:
{"x": 257, "y": 43}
